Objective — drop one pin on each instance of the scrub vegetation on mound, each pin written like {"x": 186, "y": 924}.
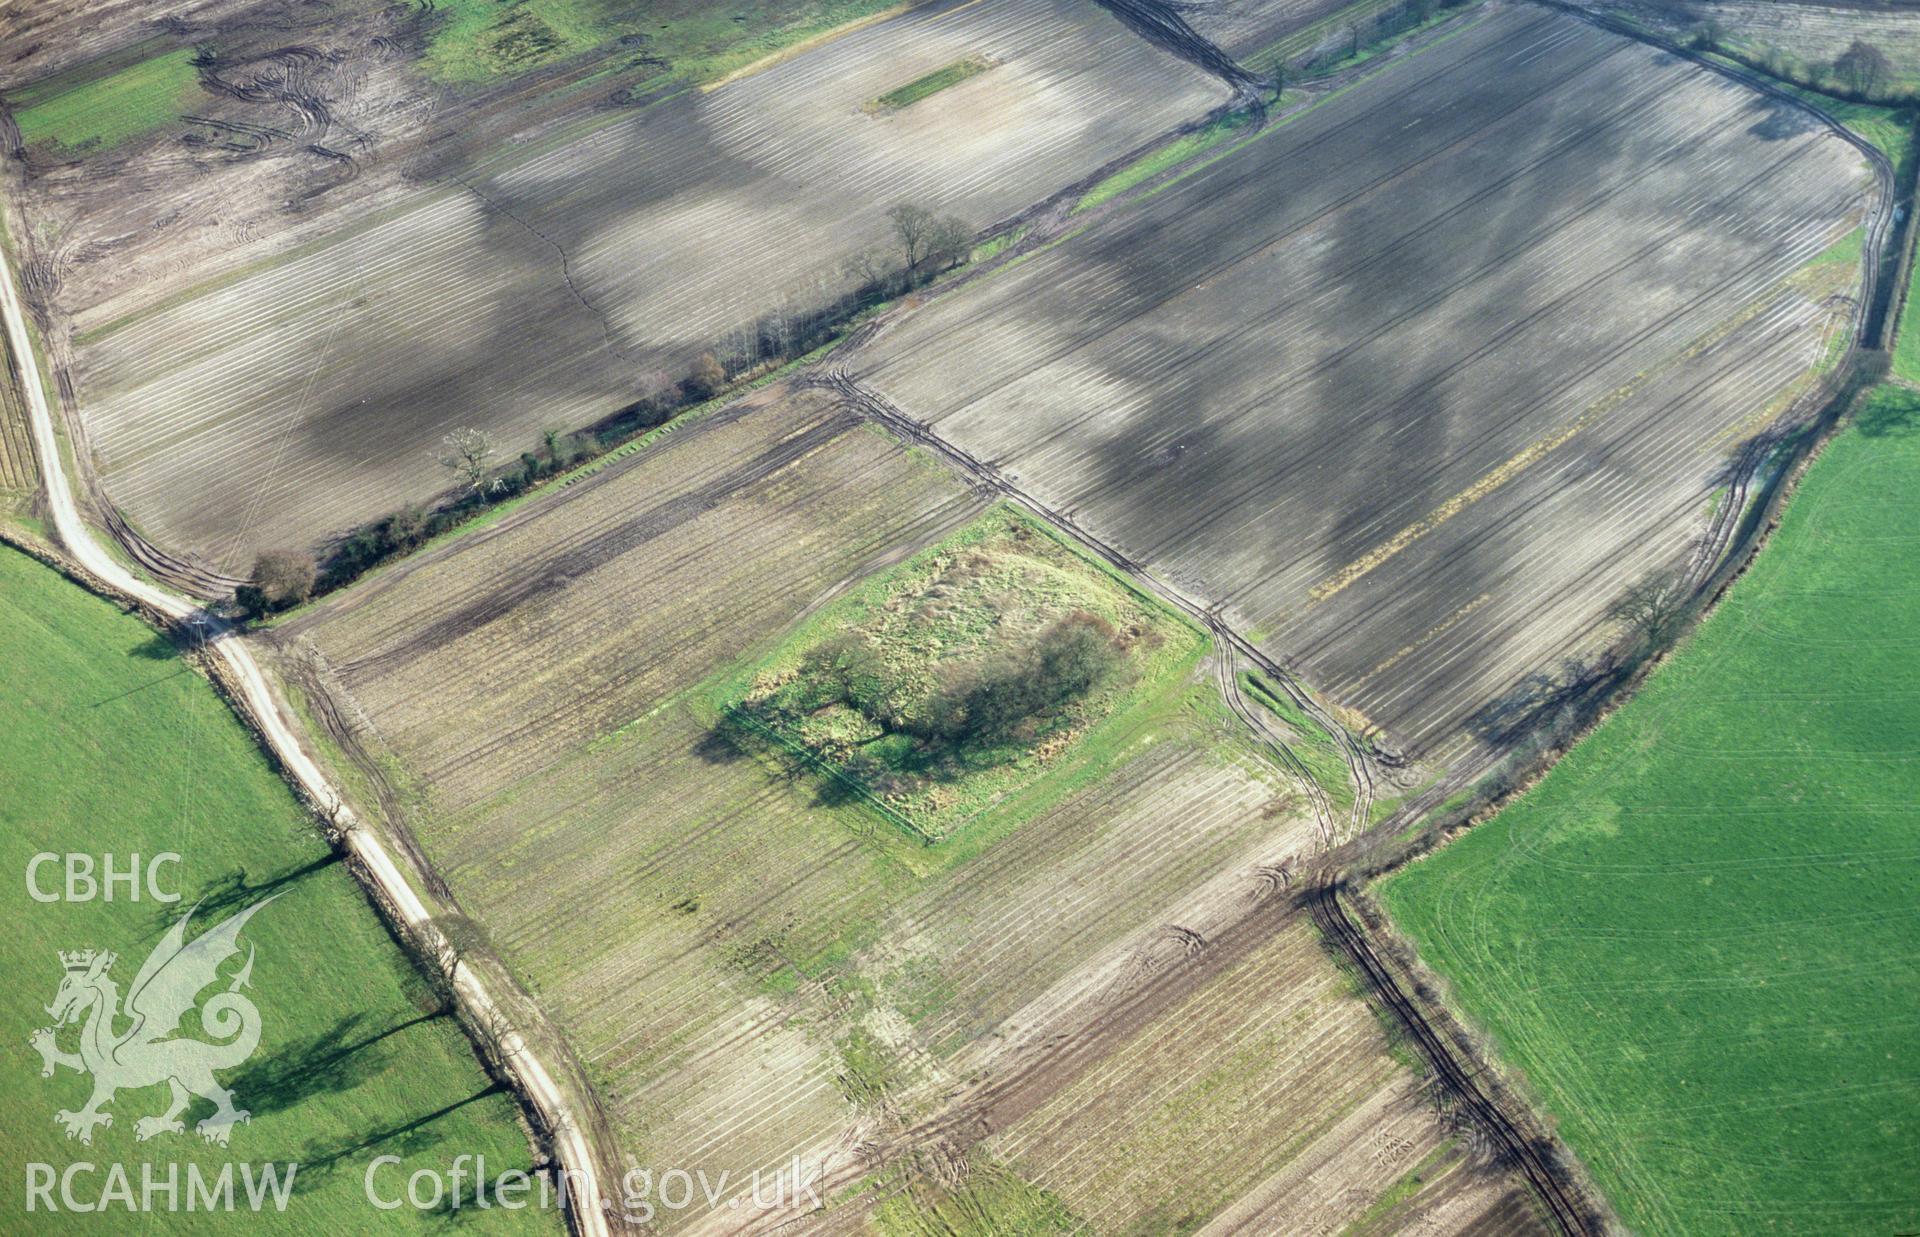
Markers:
{"x": 110, "y": 742}
{"x": 950, "y": 683}
{"x": 1696, "y": 937}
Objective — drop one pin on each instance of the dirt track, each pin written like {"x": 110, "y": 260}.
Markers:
{"x": 261, "y": 708}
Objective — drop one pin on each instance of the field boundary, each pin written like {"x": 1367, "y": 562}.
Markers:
{"x": 1541, "y": 1159}
{"x": 1775, "y": 458}
{"x": 236, "y": 674}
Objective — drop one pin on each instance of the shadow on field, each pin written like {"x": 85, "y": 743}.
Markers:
{"x": 729, "y": 741}
{"x": 134, "y": 691}
{"x": 1547, "y": 707}
{"x": 233, "y": 892}
{"x": 337, "y": 1059}
{"x": 156, "y": 647}
{"x": 1892, "y": 413}
{"x": 319, "y": 1161}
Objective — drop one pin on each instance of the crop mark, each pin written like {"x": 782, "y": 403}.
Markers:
{"x": 1439, "y": 629}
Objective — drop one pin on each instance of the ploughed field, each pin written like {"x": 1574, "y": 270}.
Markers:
{"x": 1697, "y": 935}
{"x": 753, "y": 965}
{"x": 308, "y": 389}
{"x": 1412, "y": 384}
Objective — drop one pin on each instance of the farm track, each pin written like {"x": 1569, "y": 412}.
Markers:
{"x": 241, "y": 679}
{"x": 1163, "y": 25}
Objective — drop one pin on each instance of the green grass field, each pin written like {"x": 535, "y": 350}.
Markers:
{"x": 1699, "y": 936}
{"x": 110, "y": 742}
{"x": 100, "y": 113}
{"x": 686, "y": 40}
{"x": 1906, "y": 346}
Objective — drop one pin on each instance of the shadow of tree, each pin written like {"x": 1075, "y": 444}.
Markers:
{"x": 156, "y": 647}
{"x": 337, "y": 1059}
{"x": 319, "y": 1161}
{"x": 233, "y": 891}
{"x": 1892, "y": 412}
{"x": 1547, "y": 707}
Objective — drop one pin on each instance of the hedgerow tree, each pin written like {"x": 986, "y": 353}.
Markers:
{"x": 281, "y": 578}
{"x": 468, "y": 455}
{"x": 1862, "y": 67}
{"x": 706, "y": 377}
{"x": 925, "y": 237}
{"x": 1651, "y": 607}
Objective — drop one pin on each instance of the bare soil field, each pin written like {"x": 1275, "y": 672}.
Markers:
{"x": 1413, "y": 384}
{"x": 1269, "y": 1102}
{"x": 752, "y": 968}
{"x": 1244, "y": 27}
{"x": 1288, "y": 35}
{"x": 199, "y": 287}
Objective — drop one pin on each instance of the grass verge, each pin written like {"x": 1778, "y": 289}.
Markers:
{"x": 1317, "y": 749}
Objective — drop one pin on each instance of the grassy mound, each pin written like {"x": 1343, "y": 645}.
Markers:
{"x": 943, "y": 686}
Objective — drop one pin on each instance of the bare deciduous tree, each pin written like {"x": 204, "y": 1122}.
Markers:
{"x": 925, "y": 237}
{"x": 468, "y": 454}
{"x": 455, "y": 937}
{"x": 1862, "y": 67}
{"x": 911, "y": 226}
{"x": 285, "y": 576}
{"x": 1652, "y": 606}
{"x": 869, "y": 267}
{"x": 706, "y": 377}
{"x": 281, "y": 578}
{"x": 949, "y": 241}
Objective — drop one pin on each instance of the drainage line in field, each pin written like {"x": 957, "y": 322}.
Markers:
{"x": 1161, "y": 24}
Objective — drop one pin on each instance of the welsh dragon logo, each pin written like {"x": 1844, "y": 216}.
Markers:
{"x": 149, "y": 1050}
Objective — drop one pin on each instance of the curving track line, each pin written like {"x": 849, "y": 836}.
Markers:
{"x": 248, "y": 686}
{"x": 1231, "y": 646}
{"x": 1568, "y": 1216}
